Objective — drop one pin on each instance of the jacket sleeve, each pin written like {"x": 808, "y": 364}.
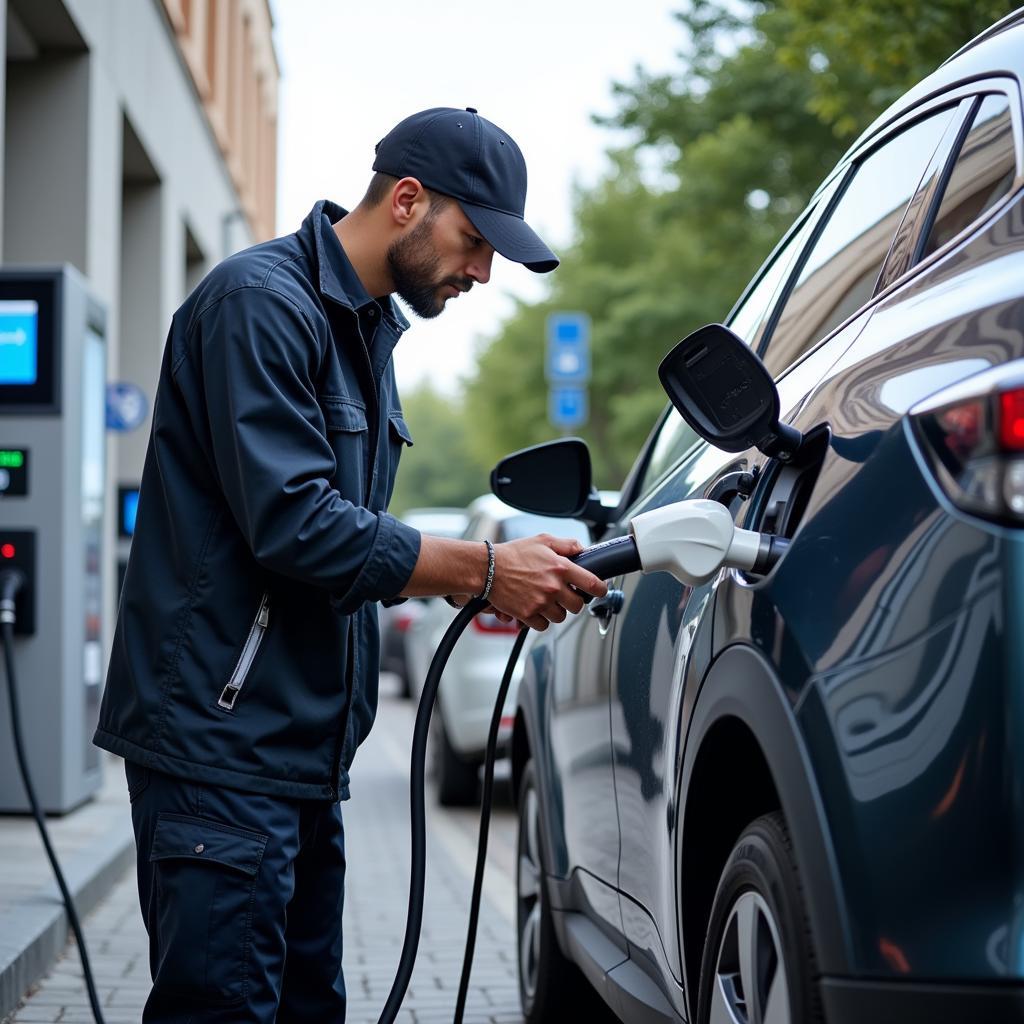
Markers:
{"x": 259, "y": 359}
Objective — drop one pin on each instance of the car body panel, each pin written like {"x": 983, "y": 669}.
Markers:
{"x": 874, "y": 675}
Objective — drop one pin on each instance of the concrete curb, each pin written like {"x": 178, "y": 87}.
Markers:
{"x": 96, "y": 846}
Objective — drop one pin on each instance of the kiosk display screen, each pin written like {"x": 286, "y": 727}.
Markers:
{"x": 19, "y": 341}
{"x": 30, "y": 342}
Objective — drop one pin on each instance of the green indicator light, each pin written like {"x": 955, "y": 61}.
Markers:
{"x": 12, "y": 459}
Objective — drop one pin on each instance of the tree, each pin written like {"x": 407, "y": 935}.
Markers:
{"x": 768, "y": 96}
{"x": 868, "y": 53}
{"x": 439, "y": 469}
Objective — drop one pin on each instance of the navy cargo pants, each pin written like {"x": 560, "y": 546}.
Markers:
{"x": 242, "y": 898}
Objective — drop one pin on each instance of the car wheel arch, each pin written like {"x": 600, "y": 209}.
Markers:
{"x": 743, "y": 720}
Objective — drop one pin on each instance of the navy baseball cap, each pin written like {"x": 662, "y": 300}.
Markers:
{"x": 463, "y": 155}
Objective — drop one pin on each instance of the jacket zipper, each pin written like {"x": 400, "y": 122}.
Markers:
{"x": 229, "y": 695}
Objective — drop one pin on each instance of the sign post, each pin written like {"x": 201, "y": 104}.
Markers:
{"x": 567, "y": 369}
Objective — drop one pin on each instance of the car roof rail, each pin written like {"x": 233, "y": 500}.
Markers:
{"x": 1008, "y": 21}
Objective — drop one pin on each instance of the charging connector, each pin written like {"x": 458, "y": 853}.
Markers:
{"x": 693, "y": 539}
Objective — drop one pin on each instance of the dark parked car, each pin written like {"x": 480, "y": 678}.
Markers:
{"x": 800, "y": 796}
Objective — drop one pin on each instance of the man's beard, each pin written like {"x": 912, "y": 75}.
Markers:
{"x": 413, "y": 262}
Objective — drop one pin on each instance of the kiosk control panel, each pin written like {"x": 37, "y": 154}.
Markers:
{"x": 52, "y": 511}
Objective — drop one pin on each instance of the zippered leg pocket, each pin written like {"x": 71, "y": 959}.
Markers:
{"x": 229, "y": 695}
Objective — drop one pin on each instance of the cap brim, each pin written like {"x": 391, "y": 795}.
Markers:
{"x": 512, "y": 237}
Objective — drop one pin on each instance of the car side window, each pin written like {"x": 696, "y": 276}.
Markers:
{"x": 839, "y": 273}
{"x": 675, "y": 437}
{"x": 753, "y": 314}
{"x": 985, "y": 168}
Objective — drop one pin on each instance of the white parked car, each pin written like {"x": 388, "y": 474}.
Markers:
{"x": 396, "y": 619}
{"x": 471, "y": 679}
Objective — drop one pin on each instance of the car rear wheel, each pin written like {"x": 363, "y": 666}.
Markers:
{"x": 758, "y": 962}
{"x": 457, "y": 780}
{"x": 551, "y": 987}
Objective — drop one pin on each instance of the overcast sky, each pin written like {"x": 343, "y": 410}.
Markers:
{"x": 352, "y": 69}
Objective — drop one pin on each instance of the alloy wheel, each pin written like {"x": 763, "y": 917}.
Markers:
{"x": 528, "y": 894}
{"x": 750, "y": 985}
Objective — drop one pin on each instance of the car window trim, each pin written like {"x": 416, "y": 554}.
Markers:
{"x": 936, "y": 203}
{"x": 794, "y": 229}
{"x": 846, "y": 172}
{"x": 939, "y": 166}
{"x": 925, "y": 108}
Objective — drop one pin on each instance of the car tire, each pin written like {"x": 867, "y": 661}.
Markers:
{"x": 551, "y": 987}
{"x": 458, "y": 780}
{"x": 759, "y": 907}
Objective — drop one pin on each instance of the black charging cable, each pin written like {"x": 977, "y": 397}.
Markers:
{"x": 417, "y": 812}
{"x": 485, "y": 823}
{"x": 605, "y": 560}
{"x": 11, "y": 581}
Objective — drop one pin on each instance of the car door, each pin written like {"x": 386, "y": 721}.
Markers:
{"x": 662, "y": 638}
{"x": 652, "y": 637}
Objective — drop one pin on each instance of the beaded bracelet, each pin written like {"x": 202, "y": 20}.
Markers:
{"x": 486, "y": 593}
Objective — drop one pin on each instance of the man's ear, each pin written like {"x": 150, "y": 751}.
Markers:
{"x": 407, "y": 197}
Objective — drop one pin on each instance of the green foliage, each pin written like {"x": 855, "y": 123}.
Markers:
{"x": 868, "y": 53}
{"x": 768, "y": 96}
{"x": 439, "y": 469}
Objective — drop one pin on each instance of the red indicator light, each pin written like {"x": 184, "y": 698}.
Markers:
{"x": 8, "y": 551}
{"x": 1011, "y": 420}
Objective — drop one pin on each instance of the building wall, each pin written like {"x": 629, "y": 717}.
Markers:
{"x": 139, "y": 144}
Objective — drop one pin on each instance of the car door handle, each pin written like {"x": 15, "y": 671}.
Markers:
{"x": 607, "y": 606}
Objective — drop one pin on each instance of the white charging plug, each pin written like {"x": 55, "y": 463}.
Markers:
{"x": 693, "y": 539}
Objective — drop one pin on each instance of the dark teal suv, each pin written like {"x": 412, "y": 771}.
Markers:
{"x": 800, "y": 796}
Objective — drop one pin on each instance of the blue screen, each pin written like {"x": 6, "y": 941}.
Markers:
{"x": 129, "y": 507}
{"x": 19, "y": 342}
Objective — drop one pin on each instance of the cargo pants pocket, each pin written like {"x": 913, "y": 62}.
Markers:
{"x": 205, "y": 881}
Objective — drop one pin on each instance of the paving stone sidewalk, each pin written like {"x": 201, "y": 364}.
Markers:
{"x": 377, "y": 838}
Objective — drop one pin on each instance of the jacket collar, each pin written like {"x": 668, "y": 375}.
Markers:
{"x": 332, "y": 285}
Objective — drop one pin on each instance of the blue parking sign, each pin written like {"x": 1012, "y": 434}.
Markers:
{"x": 568, "y": 348}
{"x": 567, "y": 407}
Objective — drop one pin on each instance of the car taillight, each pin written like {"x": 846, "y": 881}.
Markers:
{"x": 973, "y": 436}
{"x": 485, "y": 622}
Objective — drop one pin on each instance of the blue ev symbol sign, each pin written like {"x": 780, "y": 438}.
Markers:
{"x": 567, "y": 407}
{"x": 567, "y": 368}
{"x": 568, "y": 349}
{"x": 126, "y": 406}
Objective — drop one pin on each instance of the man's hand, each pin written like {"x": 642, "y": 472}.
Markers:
{"x": 534, "y": 580}
{"x": 533, "y": 577}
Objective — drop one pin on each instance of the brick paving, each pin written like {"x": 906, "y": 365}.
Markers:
{"x": 377, "y": 837}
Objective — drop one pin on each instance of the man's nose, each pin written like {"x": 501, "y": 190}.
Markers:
{"x": 480, "y": 267}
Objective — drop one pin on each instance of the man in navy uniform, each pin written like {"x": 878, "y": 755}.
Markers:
{"x": 243, "y": 674}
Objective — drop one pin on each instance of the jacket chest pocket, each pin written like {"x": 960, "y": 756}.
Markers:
{"x": 347, "y": 432}
{"x": 399, "y": 438}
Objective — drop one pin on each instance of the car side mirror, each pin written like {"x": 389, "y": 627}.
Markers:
{"x": 723, "y": 390}
{"x": 550, "y": 479}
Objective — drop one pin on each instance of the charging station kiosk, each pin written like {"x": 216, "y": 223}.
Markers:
{"x": 52, "y": 511}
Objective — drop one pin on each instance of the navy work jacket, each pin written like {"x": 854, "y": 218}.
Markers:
{"x": 246, "y": 649}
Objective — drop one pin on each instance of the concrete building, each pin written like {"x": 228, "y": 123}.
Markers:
{"x": 139, "y": 143}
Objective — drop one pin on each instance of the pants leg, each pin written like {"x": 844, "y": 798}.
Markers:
{"x": 216, "y": 874}
{"x": 314, "y": 986}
